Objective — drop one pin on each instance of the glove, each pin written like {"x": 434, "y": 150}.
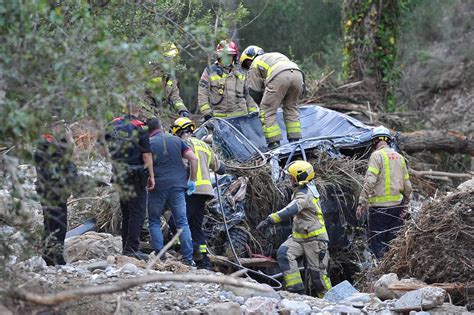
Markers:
{"x": 191, "y": 187}
{"x": 264, "y": 224}
{"x": 207, "y": 117}
{"x": 184, "y": 113}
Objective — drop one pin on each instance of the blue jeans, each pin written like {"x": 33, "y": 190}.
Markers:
{"x": 175, "y": 200}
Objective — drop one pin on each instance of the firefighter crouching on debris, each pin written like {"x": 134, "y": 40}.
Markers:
{"x": 386, "y": 189}
{"x": 56, "y": 175}
{"x": 162, "y": 90}
{"x": 195, "y": 204}
{"x": 133, "y": 173}
{"x": 273, "y": 79}
{"x": 222, "y": 90}
{"x": 171, "y": 184}
{"x": 309, "y": 237}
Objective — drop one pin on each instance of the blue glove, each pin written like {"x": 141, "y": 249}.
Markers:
{"x": 191, "y": 187}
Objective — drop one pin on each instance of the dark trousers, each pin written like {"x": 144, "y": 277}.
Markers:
{"x": 195, "y": 210}
{"x": 133, "y": 205}
{"x": 53, "y": 201}
{"x": 384, "y": 223}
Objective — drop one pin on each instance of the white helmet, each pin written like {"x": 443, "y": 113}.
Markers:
{"x": 381, "y": 133}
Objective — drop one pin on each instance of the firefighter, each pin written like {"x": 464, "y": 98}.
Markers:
{"x": 133, "y": 173}
{"x": 386, "y": 189}
{"x": 222, "y": 90}
{"x": 309, "y": 237}
{"x": 56, "y": 175}
{"x": 162, "y": 89}
{"x": 195, "y": 204}
{"x": 273, "y": 81}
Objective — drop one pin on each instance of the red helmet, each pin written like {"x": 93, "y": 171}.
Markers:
{"x": 226, "y": 47}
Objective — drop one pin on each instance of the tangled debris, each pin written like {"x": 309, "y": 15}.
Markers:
{"x": 436, "y": 246}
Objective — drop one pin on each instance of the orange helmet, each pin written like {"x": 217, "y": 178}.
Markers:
{"x": 226, "y": 47}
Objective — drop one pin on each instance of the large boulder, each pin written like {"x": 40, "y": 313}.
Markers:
{"x": 91, "y": 245}
{"x": 381, "y": 286}
{"x": 422, "y": 299}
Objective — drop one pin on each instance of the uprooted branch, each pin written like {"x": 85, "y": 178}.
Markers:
{"x": 67, "y": 295}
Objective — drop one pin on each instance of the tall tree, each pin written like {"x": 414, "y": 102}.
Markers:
{"x": 371, "y": 31}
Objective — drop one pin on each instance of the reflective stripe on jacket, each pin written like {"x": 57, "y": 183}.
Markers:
{"x": 207, "y": 159}
{"x": 265, "y": 67}
{"x": 387, "y": 180}
{"x": 308, "y": 220}
{"x": 223, "y": 93}
{"x": 163, "y": 91}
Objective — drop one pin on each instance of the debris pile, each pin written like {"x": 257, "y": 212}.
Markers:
{"x": 436, "y": 246}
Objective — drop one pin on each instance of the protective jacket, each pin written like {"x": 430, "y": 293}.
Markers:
{"x": 387, "y": 180}
{"x": 308, "y": 221}
{"x": 223, "y": 92}
{"x": 163, "y": 91}
{"x": 207, "y": 160}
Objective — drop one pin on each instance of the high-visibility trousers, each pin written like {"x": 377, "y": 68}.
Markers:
{"x": 283, "y": 90}
{"x": 317, "y": 258}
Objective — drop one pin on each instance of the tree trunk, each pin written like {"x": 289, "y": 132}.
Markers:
{"x": 436, "y": 140}
{"x": 371, "y": 30}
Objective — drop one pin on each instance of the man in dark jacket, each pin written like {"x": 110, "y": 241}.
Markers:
{"x": 56, "y": 174}
{"x": 171, "y": 184}
{"x": 133, "y": 172}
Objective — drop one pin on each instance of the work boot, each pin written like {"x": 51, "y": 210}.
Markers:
{"x": 273, "y": 145}
{"x": 204, "y": 263}
{"x": 293, "y": 140}
{"x": 190, "y": 263}
{"x": 136, "y": 254}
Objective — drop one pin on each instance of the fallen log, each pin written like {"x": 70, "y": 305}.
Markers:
{"x": 449, "y": 287}
{"x": 440, "y": 174}
{"x": 246, "y": 262}
{"x": 436, "y": 140}
{"x": 123, "y": 285}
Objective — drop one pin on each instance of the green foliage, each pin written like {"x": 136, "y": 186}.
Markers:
{"x": 75, "y": 59}
{"x": 306, "y": 30}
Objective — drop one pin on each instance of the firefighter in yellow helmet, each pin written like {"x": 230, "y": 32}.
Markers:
{"x": 222, "y": 90}
{"x": 183, "y": 127}
{"x": 309, "y": 237}
{"x": 386, "y": 191}
{"x": 162, "y": 90}
{"x": 274, "y": 81}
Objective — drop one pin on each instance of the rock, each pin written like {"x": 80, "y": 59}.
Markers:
{"x": 340, "y": 292}
{"x": 261, "y": 305}
{"x": 192, "y": 311}
{"x": 421, "y": 299}
{"x": 467, "y": 186}
{"x": 341, "y": 309}
{"x": 202, "y": 301}
{"x": 419, "y": 313}
{"x": 123, "y": 260}
{"x": 34, "y": 264}
{"x": 100, "y": 265}
{"x": 447, "y": 308}
{"x": 91, "y": 245}
{"x": 296, "y": 306}
{"x": 111, "y": 259}
{"x": 358, "y": 297}
{"x": 248, "y": 293}
{"x": 4, "y": 310}
{"x": 228, "y": 308}
{"x": 130, "y": 269}
{"x": 381, "y": 286}
{"x": 239, "y": 300}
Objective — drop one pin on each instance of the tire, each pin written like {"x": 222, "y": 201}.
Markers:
{"x": 239, "y": 239}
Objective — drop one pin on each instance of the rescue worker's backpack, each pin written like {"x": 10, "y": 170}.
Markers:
{"x": 122, "y": 138}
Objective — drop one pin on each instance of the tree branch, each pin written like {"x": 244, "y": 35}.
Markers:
{"x": 76, "y": 293}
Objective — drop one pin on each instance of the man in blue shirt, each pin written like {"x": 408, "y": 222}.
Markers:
{"x": 171, "y": 178}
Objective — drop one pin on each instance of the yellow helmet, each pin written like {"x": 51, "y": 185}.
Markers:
{"x": 170, "y": 50}
{"x": 182, "y": 124}
{"x": 250, "y": 53}
{"x": 301, "y": 171}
